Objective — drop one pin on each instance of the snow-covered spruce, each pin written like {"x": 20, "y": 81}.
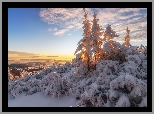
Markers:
{"x": 95, "y": 40}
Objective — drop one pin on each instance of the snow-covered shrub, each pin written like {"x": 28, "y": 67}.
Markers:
{"x": 132, "y": 51}
{"x": 130, "y": 85}
{"x": 142, "y": 74}
{"x": 11, "y": 84}
{"x": 136, "y": 65}
{"x": 105, "y": 80}
{"x": 143, "y": 102}
{"x": 16, "y": 89}
{"x": 107, "y": 67}
{"x": 78, "y": 89}
{"x": 123, "y": 102}
{"x": 113, "y": 50}
{"x": 26, "y": 78}
{"x": 76, "y": 82}
{"x": 107, "y": 70}
{"x": 130, "y": 67}
{"x": 135, "y": 58}
{"x": 67, "y": 66}
{"x": 91, "y": 80}
{"x": 54, "y": 84}
{"x": 32, "y": 85}
{"x": 45, "y": 72}
{"x": 94, "y": 96}
{"x": 91, "y": 97}
{"x": 113, "y": 95}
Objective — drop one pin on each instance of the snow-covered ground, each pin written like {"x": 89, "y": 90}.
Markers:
{"x": 40, "y": 100}
{"x": 114, "y": 83}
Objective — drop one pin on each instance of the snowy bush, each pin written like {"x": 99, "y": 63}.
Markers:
{"x": 113, "y": 95}
{"x": 78, "y": 88}
{"x": 130, "y": 85}
{"x": 143, "y": 102}
{"x": 107, "y": 67}
{"x": 16, "y": 89}
{"x": 54, "y": 84}
{"x": 11, "y": 84}
{"x": 67, "y": 66}
{"x": 91, "y": 98}
{"x": 123, "y": 102}
{"x": 32, "y": 86}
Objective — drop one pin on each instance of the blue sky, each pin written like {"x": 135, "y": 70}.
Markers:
{"x": 56, "y": 32}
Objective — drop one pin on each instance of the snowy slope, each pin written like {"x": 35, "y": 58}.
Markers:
{"x": 40, "y": 100}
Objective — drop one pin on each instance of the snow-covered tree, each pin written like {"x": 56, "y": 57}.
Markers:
{"x": 109, "y": 34}
{"x": 96, "y": 41}
{"x": 83, "y": 50}
{"x": 110, "y": 47}
{"x": 127, "y": 38}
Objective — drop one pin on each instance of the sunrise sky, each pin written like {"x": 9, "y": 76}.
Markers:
{"x": 53, "y": 33}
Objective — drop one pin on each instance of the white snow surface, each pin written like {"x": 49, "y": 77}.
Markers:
{"x": 40, "y": 100}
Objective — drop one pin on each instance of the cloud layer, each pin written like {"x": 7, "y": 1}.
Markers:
{"x": 118, "y": 18}
{"x": 22, "y": 53}
{"x": 25, "y": 54}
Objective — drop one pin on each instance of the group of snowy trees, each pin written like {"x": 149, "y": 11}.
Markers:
{"x": 90, "y": 51}
{"x": 119, "y": 75}
{"x": 103, "y": 74}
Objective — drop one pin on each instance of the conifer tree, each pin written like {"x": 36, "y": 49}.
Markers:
{"x": 109, "y": 34}
{"x": 127, "y": 38}
{"x": 109, "y": 47}
{"x": 83, "y": 49}
{"x": 96, "y": 41}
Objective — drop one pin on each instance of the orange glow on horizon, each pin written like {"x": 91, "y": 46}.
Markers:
{"x": 64, "y": 57}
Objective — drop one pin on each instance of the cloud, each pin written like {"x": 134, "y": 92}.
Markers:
{"x": 118, "y": 18}
{"x": 64, "y": 17}
{"x": 51, "y": 30}
{"x": 61, "y": 32}
{"x": 55, "y": 31}
{"x": 69, "y": 34}
{"x": 52, "y": 56}
{"x": 21, "y": 53}
{"x": 69, "y": 27}
{"x": 35, "y": 56}
{"x": 25, "y": 54}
